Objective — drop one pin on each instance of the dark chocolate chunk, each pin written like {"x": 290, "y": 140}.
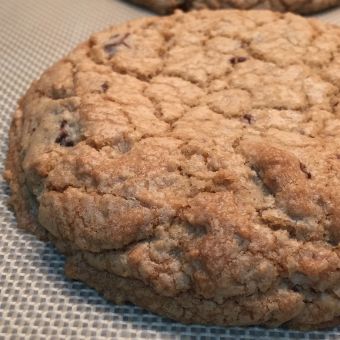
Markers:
{"x": 249, "y": 118}
{"x": 63, "y": 123}
{"x": 116, "y": 40}
{"x": 105, "y": 87}
{"x": 64, "y": 138}
{"x": 305, "y": 171}
{"x": 69, "y": 143}
{"x": 237, "y": 60}
{"x": 61, "y": 139}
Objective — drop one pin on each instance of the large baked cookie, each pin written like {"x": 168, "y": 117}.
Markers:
{"x": 299, "y": 6}
{"x": 190, "y": 164}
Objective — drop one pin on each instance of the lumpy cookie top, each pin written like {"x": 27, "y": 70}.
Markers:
{"x": 197, "y": 153}
{"x": 300, "y": 6}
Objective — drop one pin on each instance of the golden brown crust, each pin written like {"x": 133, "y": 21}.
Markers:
{"x": 192, "y": 158}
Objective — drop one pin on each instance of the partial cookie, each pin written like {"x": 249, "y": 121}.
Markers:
{"x": 298, "y": 6}
{"x": 190, "y": 164}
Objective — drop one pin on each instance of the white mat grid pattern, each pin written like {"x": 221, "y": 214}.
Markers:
{"x": 36, "y": 300}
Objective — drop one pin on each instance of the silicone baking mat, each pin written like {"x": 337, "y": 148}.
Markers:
{"x": 36, "y": 300}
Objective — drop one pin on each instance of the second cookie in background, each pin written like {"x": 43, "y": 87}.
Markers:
{"x": 298, "y": 6}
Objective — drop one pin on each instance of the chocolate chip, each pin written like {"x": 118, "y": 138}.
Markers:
{"x": 237, "y": 60}
{"x": 64, "y": 138}
{"x": 63, "y": 123}
{"x": 305, "y": 171}
{"x": 61, "y": 139}
{"x": 59, "y": 92}
{"x": 118, "y": 39}
{"x": 105, "y": 87}
{"x": 110, "y": 49}
{"x": 69, "y": 143}
{"x": 249, "y": 118}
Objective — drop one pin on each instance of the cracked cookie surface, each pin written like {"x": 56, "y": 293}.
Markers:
{"x": 190, "y": 164}
{"x": 298, "y": 6}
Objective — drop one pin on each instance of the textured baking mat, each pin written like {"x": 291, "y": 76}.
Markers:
{"x": 36, "y": 300}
